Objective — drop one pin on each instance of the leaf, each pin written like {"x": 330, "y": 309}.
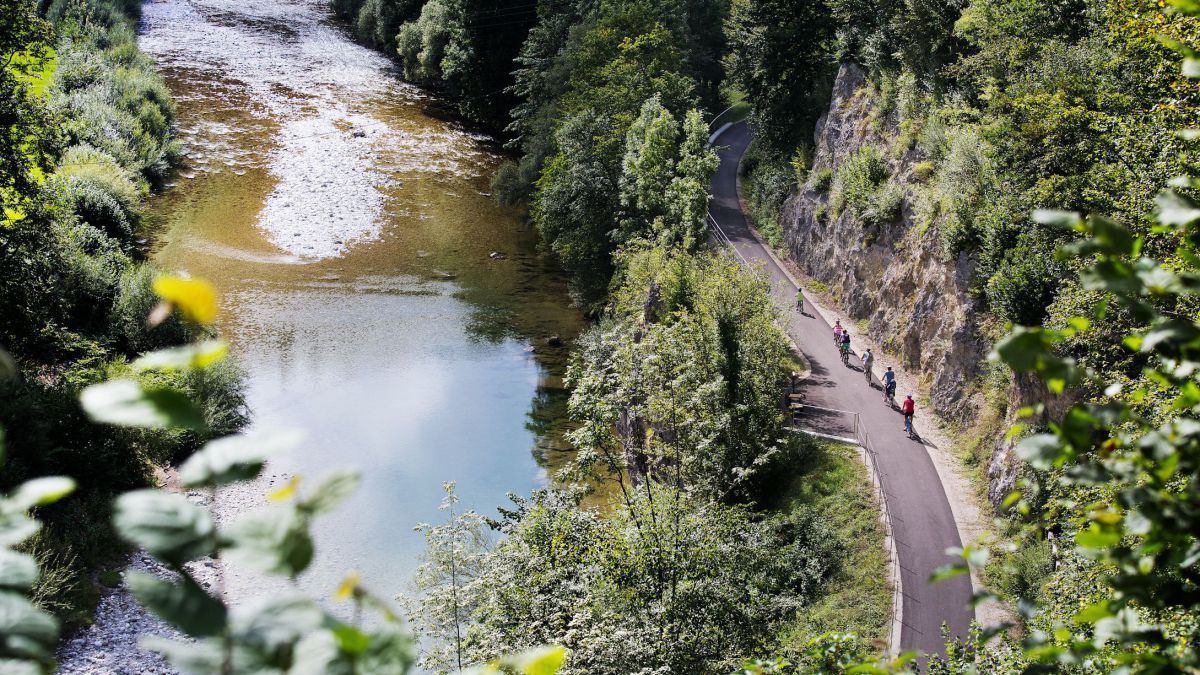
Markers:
{"x": 274, "y": 540}
{"x": 42, "y": 491}
{"x": 1110, "y": 236}
{"x": 540, "y": 661}
{"x": 1093, "y": 613}
{"x": 196, "y": 658}
{"x": 1043, "y": 451}
{"x": 167, "y": 525}
{"x": 8, "y": 367}
{"x": 187, "y": 357}
{"x": 947, "y": 572}
{"x": 234, "y": 458}
{"x": 184, "y": 604}
{"x": 1056, "y": 218}
{"x": 333, "y": 490}
{"x": 286, "y": 491}
{"x": 1175, "y": 209}
{"x": 347, "y": 587}
{"x": 126, "y": 403}
{"x": 1097, "y": 539}
{"x": 18, "y": 571}
{"x": 273, "y": 625}
{"x": 16, "y": 528}
{"x": 195, "y": 298}
{"x": 27, "y": 631}
{"x": 351, "y": 640}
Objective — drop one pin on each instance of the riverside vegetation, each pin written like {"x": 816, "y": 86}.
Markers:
{"x": 86, "y": 133}
{"x": 712, "y": 553}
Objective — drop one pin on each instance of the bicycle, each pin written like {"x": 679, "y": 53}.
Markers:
{"x": 867, "y": 373}
{"x": 908, "y": 427}
{"x": 845, "y": 354}
{"x": 889, "y": 394}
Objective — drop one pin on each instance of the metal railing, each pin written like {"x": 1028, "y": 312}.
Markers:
{"x": 859, "y": 436}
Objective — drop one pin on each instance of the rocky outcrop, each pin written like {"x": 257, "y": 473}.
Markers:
{"x": 894, "y": 276}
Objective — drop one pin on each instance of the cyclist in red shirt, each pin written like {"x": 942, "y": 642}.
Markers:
{"x": 908, "y": 407}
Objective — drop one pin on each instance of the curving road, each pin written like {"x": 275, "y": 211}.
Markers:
{"x": 922, "y": 522}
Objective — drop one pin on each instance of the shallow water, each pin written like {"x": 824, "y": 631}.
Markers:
{"x": 348, "y": 228}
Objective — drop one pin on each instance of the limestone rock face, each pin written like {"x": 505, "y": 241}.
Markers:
{"x": 894, "y": 276}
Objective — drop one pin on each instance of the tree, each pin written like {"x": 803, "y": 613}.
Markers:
{"x": 779, "y": 56}
{"x": 447, "y": 584}
{"x": 665, "y": 176}
{"x": 683, "y": 382}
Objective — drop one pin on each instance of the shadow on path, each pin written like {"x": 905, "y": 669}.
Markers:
{"x": 922, "y": 522}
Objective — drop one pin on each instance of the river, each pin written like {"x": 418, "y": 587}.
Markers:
{"x": 374, "y": 293}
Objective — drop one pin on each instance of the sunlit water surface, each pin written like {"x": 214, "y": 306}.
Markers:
{"x": 348, "y": 228}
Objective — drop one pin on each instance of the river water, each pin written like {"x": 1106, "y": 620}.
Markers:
{"x": 374, "y": 293}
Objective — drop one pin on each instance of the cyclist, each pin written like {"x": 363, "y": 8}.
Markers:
{"x": 889, "y": 386}
{"x": 845, "y": 347}
{"x": 837, "y": 333}
{"x": 800, "y": 299}
{"x": 908, "y": 407}
{"x": 868, "y": 359}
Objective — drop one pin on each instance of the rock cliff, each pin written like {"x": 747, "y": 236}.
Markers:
{"x": 892, "y": 275}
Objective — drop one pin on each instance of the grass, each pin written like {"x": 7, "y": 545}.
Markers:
{"x": 833, "y": 481}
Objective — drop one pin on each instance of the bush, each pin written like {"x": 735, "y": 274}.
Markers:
{"x": 857, "y": 178}
{"x": 922, "y": 171}
{"x": 134, "y": 302}
{"x": 1026, "y": 570}
{"x": 884, "y": 205}
{"x": 422, "y": 43}
{"x": 821, "y": 179}
{"x": 1023, "y": 287}
{"x": 100, "y": 192}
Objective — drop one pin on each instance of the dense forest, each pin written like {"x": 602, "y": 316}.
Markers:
{"x": 1041, "y": 144}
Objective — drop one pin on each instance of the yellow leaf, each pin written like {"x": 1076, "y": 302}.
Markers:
{"x": 285, "y": 491}
{"x": 539, "y": 661}
{"x": 346, "y": 589}
{"x": 196, "y": 298}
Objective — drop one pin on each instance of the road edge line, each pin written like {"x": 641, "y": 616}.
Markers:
{"x": 893, "y": 648}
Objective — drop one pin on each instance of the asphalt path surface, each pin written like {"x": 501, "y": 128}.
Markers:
{"x": 921, "y": 519}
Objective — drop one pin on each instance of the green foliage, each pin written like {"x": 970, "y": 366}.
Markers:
{"x": 28, "y": 634}
{"x": 862, "y": 187}
{"x": 660, "y": 585}
{"x": 767, "y": 183}
{"x": 449, "y": 583}
{"x": 821, "y": 179}
{"x": 832, "y": 482}
{"x": 687, "y": 374}
{"x": 422, "y": 42}
{"x": 916, "y": 35}
{"x": 778, "y": 56}
{"x": 664, "y": 178}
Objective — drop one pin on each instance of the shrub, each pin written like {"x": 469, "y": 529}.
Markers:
{"x": 1024, "y": 285}
{"x": 422, "y": 42}
{"x": 100, "y": 192}
{"x": 134, "y": 302}
{"x": 922, "y": 171}
{"x": 857, "y": 178}
{"x": 884, "y": 205}
{"x": 509, "y": 186}
{"x": 821, "y": 179}
{"x": 801, "y": 163}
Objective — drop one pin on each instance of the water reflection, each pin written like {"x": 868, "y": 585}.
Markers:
{"x": 375, "y": 294}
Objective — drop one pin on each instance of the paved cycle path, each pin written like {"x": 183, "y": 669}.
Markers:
{"x": 922, "y": 522}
